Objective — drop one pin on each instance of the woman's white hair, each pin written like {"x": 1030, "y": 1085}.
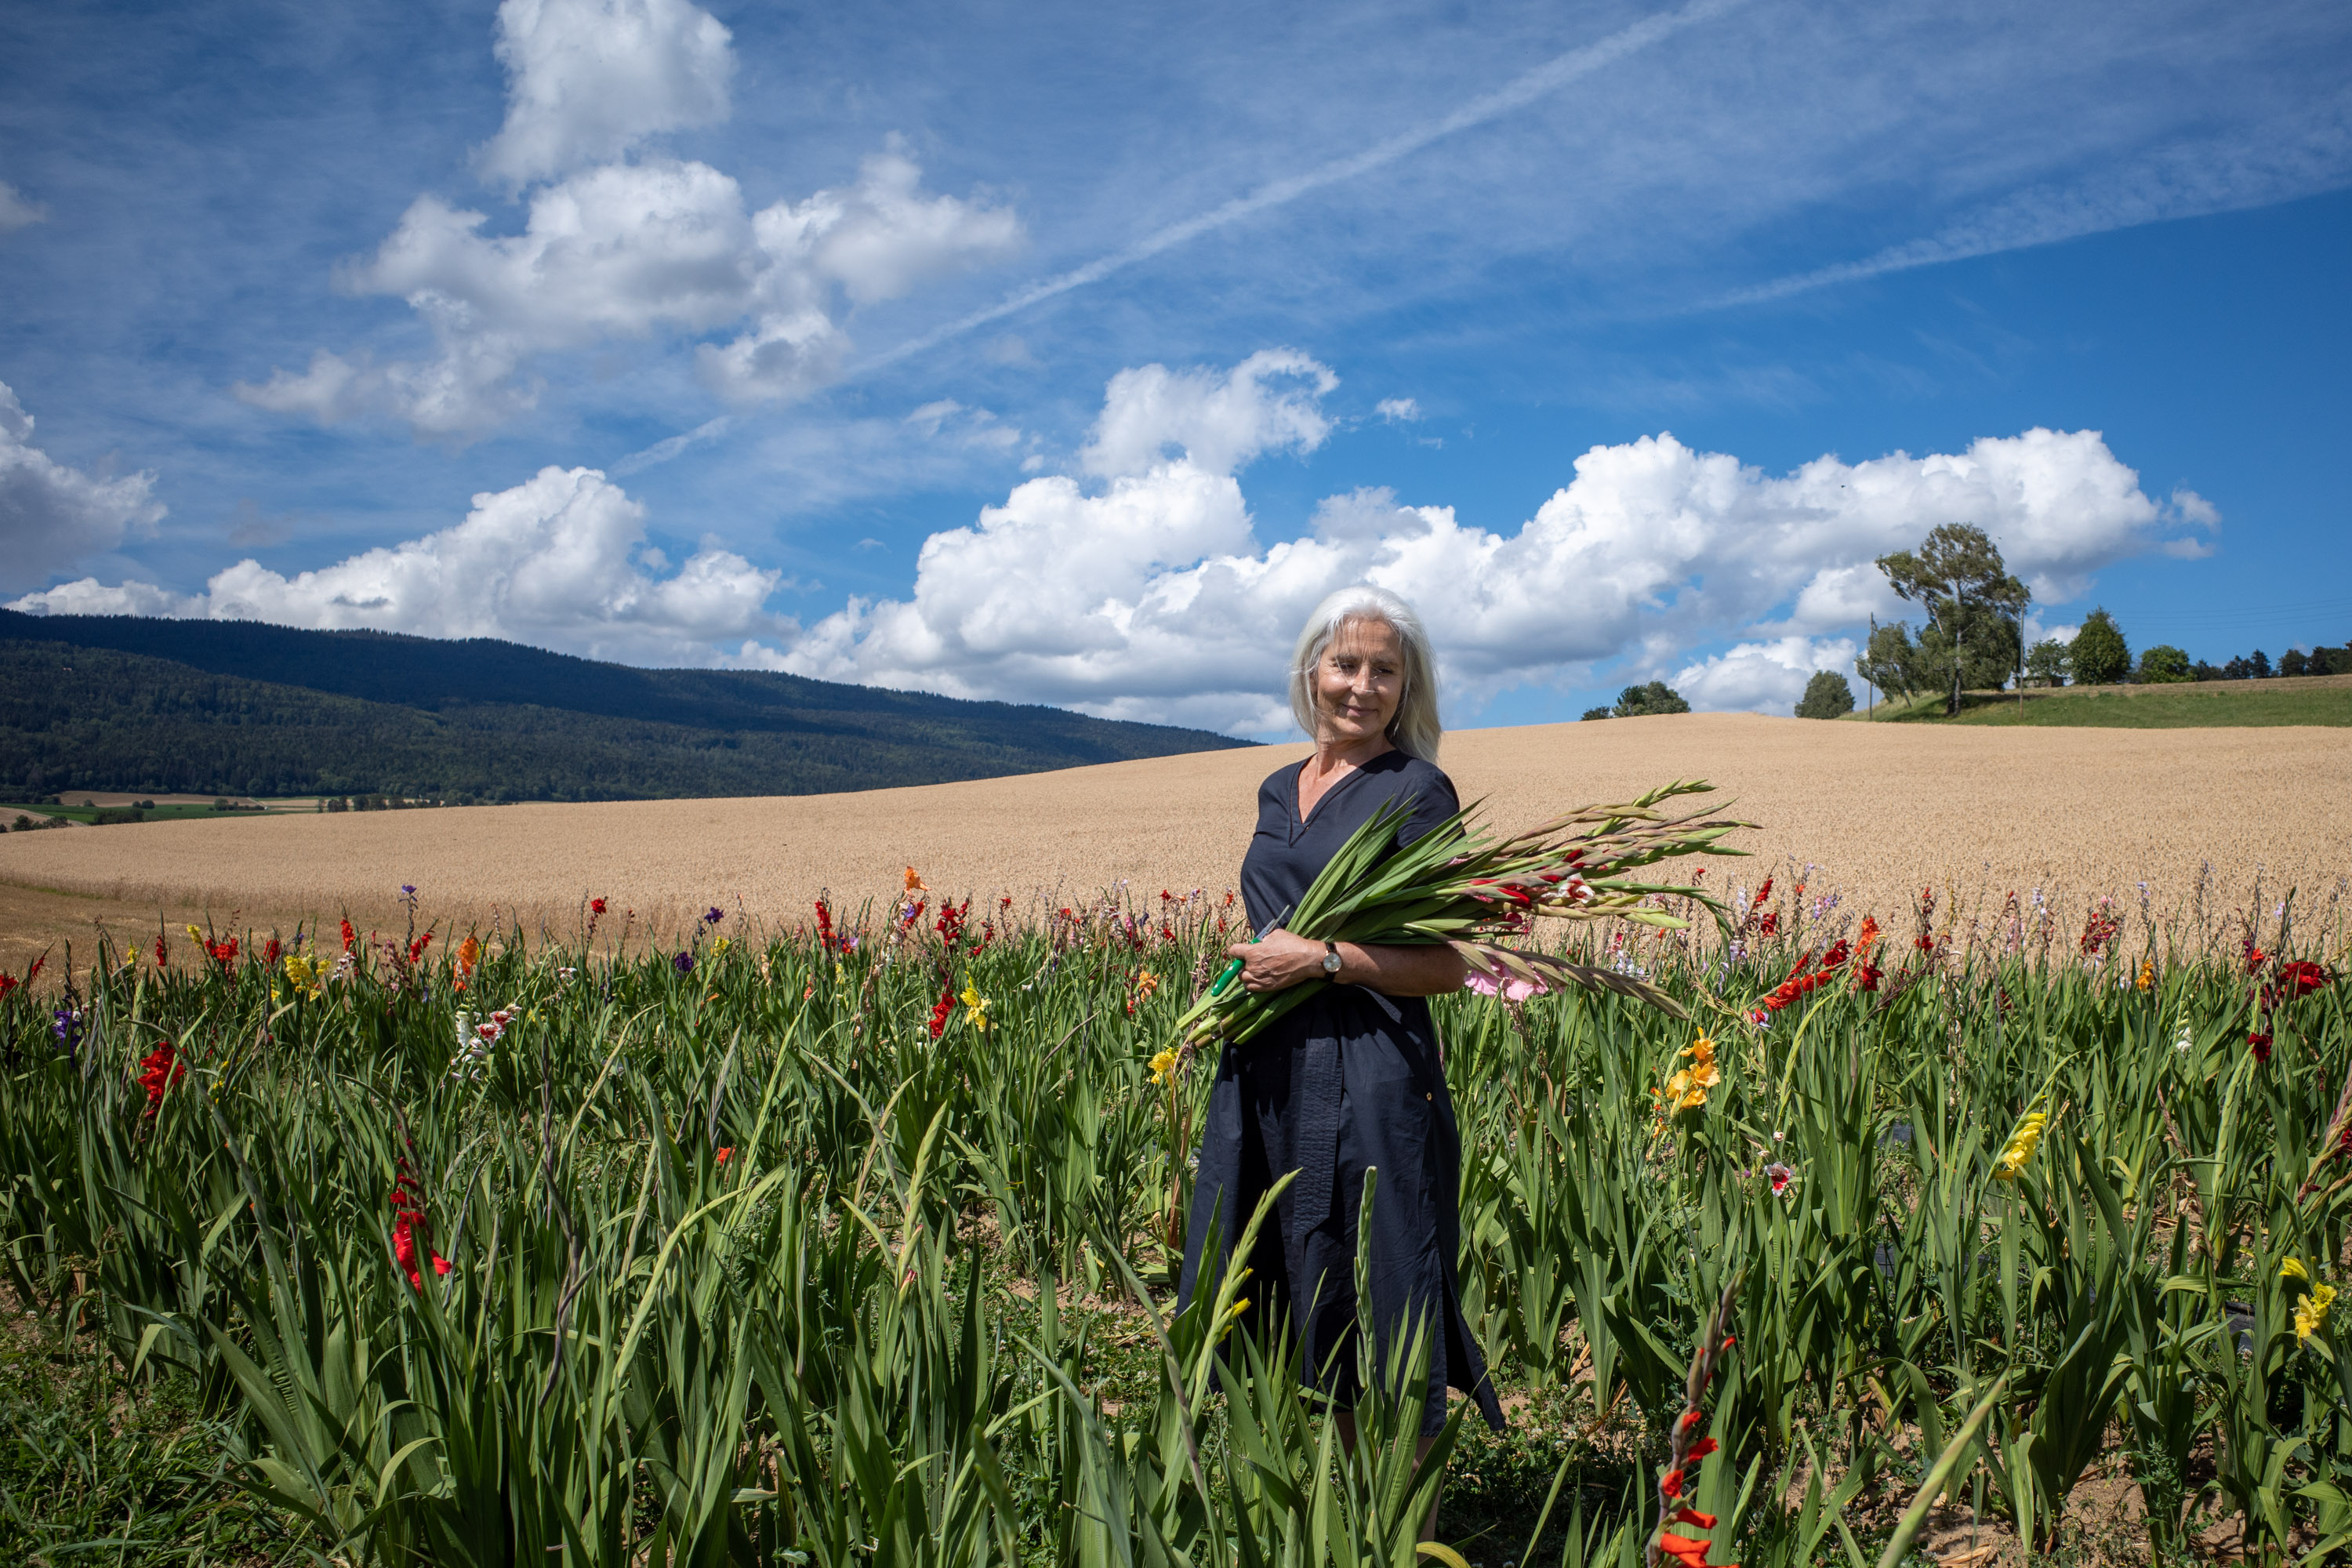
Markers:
{"x": 1414, "y": 729}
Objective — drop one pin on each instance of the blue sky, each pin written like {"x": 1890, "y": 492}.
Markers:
{"x": 1069, "y": 354}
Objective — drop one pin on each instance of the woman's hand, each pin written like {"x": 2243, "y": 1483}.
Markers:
{"x": 1278, "y": 962}
{"x": 1282, "y": 959}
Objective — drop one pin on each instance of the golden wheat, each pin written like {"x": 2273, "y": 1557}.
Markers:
{"x": 1877, "y": 811}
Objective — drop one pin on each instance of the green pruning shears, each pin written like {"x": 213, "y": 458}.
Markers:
{"x": 1234, "y": 967}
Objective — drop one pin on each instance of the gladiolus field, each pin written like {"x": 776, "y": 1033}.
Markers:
{"x": 850, "y": 1240}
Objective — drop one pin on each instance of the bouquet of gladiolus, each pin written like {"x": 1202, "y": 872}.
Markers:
{"x": 1454, "y": 886}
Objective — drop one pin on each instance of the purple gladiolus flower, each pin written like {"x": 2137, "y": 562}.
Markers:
{"x": 683, "y": 963}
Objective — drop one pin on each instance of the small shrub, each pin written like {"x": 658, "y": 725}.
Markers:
{"x": 1827, "y": 696}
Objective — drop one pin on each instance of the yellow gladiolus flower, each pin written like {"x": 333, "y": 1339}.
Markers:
{"x": 976, "y": 1005}
{"x": 2293, "y": 1269}
{"x": 2148, "y": 974}
{"x": 306, "y": 976}
{"x": 2310, "y": 1313}
{"x": 2021, "y": 1145}
{"x": 1682, "y": 1092}
{"x": 1163, "y": 1066}
{"x": 196, "y": 936}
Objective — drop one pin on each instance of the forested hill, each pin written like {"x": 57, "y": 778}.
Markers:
{"x": 235, "y": 706}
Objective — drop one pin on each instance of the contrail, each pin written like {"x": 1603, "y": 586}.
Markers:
{"x": 664, "y": 450}
{"x": 1545, "y": 79}
{"x": 2282, "y": 159}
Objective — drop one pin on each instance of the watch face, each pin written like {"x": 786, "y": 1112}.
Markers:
{"x": 1331, "y": 963}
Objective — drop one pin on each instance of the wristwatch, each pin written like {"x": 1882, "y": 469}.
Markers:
{"x": 1330, "y": 958}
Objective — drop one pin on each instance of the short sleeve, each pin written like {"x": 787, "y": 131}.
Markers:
{"x": 1433, "y": 803}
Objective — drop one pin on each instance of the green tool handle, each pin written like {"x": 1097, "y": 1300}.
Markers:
{"x": 1235, "y": 966}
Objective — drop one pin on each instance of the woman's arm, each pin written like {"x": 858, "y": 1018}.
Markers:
{"x": 1284, "y": 958}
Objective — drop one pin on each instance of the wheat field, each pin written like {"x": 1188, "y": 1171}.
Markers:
{"x": 1877, "y": 812}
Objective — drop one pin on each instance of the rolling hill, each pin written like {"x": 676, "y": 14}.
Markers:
{"x": 234, "y": 707}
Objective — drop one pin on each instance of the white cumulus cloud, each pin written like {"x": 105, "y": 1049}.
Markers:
{"x": 1150, "y": 595}
{"x": 560, "y": 561}
{"x": 614, "y": 248}
{"x": 588, "y": 79}
{"x": 1268, "y": 401}
{"x": 1764, "y": 677}
{"x": 52, "y": 515}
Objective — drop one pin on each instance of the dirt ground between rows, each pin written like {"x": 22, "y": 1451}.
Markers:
{"x": 1877, "y": 811}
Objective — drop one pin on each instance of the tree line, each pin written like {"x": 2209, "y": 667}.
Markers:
{"x": 1972, "y": 637}
{"x": 95, "y": 717}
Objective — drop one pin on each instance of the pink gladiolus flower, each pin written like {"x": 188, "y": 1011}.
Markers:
{"x": 1508, "y": 990}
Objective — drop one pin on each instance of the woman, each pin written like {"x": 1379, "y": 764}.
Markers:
{"x": 1353, "y": 1077}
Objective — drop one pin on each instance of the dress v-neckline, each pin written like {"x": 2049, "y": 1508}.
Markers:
{"x": 1300, "y": 821}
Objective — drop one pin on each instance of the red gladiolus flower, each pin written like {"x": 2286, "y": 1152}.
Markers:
{"x": 595, "y": 906}
{"x": 1692, "y": 1516}
{"x": 7, "y": 983}
{"x": 1689, "y": 1553}
{"x": 1700, "y": 1450}
{"x": 1670, "y": 1484}
{"x": 1805, "y": 978}
{"x": 2301, "y": 978}
{"x": 2261, "y": 1040}
{"x": 1769, "y": 924}
{"x": 940, "y": 1013}
{"x": 416, "y": 949}
{"x": 159, "y": 1070}
{"x": 412, "y": 1231}
{"x": 725, "y": 1153}
{"x": 351, "y": 937}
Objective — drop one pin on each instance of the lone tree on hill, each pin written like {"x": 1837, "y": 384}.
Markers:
{"x": 1974, "y": 633}
{"x": 1827, "y": 696}
{"x": 2099, "y": 654}
{"x": 1657, "y": 696}
{"x": 2163, "y": 664}
{"x": 1890, "y": 660}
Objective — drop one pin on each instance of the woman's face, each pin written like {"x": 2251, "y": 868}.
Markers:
{"x": 1358, "y": 681}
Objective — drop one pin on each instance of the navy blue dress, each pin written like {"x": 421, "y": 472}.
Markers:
{"x": 1349, "y": 1079}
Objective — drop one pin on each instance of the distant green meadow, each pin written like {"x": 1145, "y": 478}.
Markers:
{"x": 2211, "y": 704}
{"x": 847, "y": 1246}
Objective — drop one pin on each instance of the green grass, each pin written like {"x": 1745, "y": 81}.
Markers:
{"x": 95, "y": 1470}
{"x": 2213, "y": 704}
{"x": 88, "y": 813}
